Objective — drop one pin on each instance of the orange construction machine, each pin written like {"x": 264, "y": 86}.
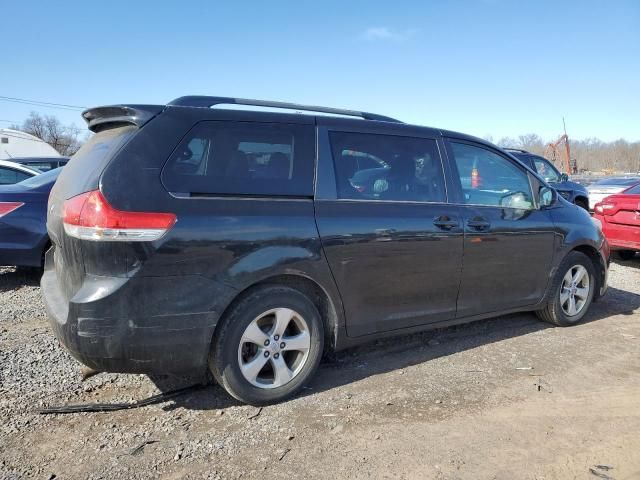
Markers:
{"x": 553, "y": 152}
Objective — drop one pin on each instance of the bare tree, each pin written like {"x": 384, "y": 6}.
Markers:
{"x": 532, "y": 143}
{"x": 65, "y": 139}
{"x": 507, "y": 142}
{"x": 592, "y": 154}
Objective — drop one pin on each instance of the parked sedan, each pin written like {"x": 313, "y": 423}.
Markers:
{"x": 23, "y": 217}
{"x": 601, "y": 189}
{"x": 12, "y": 172}
{"x": 620, "y": 218}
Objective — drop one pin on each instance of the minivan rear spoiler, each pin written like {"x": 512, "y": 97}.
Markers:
{"x": 99, "y": 118}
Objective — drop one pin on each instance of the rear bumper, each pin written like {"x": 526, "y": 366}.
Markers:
{"x": 23, "y": 256}
{"x": 122, "y": 332}
{"x": 624, "y": 245}
{"x": 620, "y": 237}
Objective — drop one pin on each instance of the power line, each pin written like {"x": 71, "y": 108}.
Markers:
{"x": 37, "y": 103}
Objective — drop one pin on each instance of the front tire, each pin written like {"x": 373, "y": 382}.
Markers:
{"x": 268, "y": 346}
{"x": 571, "y": 292}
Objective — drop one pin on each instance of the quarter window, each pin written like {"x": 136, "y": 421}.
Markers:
{"x": 490, "y": 179}
{"x": 385, "y": 167}
{"x": 243, "y": 158}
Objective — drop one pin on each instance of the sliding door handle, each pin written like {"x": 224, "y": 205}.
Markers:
{"x": 478, "y": 223}
{"x": 446, "y": 223}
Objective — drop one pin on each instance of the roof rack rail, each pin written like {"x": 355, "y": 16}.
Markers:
{"x": 512, "y": 149}
{"x": 206, "y": 102}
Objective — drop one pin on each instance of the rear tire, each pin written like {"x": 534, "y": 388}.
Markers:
{"x": 268, "y": 346}
{"x": 625, "y": 254}
{"x": 572, "y": 291}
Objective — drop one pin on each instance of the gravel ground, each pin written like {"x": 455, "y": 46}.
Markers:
{"x": 505, "y": 398}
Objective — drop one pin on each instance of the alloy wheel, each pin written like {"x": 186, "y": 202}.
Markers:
{"x": 574, "y": 291}
{"x": 274, "y": 348}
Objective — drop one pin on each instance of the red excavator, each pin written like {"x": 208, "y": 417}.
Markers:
{"x": 553, "y": 152}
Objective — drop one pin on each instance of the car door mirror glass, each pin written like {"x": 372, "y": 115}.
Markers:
{"x": 546, "y": 196}
{"x": 518, "y": 200}
{"x": 564, "y": 177}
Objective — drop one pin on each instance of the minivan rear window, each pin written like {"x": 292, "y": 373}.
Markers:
{"x": 84, "y": 168}
{"x": 243, "y": 158}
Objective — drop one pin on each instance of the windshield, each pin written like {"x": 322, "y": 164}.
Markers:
{"x": 546, "y": 170}
{"x": 42, "y": 179}
{"x": 43, "y": 166}
{"x": 633, "y": 190}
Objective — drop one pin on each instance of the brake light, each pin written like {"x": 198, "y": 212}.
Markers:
{"x": 604, "y": 208}
{"x": 8, "y": 207}
{"x": 89, "y": 216}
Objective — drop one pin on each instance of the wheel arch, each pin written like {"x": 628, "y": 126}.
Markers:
{"x": 327, "y": 307}
{"x": 598, "y": 264}
{"x": 581, "y": 199}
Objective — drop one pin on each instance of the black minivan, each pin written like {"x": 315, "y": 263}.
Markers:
{"x": 188, "y": 236}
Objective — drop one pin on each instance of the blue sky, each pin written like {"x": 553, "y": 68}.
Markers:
{"x": 491, "y": 67}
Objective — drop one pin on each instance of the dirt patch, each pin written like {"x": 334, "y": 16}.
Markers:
{"x": 505, "y": 398}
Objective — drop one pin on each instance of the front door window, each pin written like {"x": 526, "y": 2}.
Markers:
{"x": 490, "y": 179}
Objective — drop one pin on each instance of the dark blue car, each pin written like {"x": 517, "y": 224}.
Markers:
{"x": 23, "y": 218}
{"x": 571, "y": 191}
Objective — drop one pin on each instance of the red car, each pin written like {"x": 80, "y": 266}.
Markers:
{"x": 620, "y": 218}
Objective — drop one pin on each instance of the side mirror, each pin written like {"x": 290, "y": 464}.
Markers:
{"x": 545, "y": 196}
{"x": 564, "y": 177}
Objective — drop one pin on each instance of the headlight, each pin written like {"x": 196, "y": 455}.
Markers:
{"x": 565, "y": 194}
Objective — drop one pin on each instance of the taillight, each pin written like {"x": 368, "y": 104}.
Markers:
{"x": 604, "y": 208}
{"x": 89, "y": 216}
{"x": 8, "y": 207}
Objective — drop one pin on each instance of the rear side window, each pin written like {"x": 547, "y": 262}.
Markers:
{"x": 243, "y": 158}
{"x": 386, "y": 167}
{"x": 9, "y": 176}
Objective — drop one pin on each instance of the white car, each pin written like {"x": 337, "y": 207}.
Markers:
{"x": 11, "y": 172}
{"x": 601, "y": 189}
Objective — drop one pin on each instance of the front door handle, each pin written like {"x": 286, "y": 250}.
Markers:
{"x": 478, "y": 223}
{"x": 445, "y": 223}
